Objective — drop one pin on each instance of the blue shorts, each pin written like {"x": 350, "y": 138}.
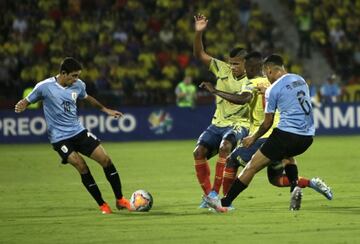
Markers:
{"x": 241, "y": 155}
{"x": 211, "y": 138}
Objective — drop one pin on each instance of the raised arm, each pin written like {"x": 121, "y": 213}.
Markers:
{"x": 95, "y": 103}
{"x": 240, "y": 99}
{"x": 198, "y": 48}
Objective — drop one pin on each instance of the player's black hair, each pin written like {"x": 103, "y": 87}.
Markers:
{"x": 274, "y": 59}
{"x": 69, "y": 65}
{"x": 253, "y": 54}
{"x": 238, "y": 52}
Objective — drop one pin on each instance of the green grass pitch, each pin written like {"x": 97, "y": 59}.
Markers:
{"x": 42, "y": 201}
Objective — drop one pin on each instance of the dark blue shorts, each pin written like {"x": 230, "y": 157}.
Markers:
{"x": 211, "y": 138}
{"x": 242, "y": 155}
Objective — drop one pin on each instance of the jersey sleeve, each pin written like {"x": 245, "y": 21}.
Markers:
{"x": 36, "y": 94}
{"x": 248, "y": 86}
{"x": 82, "y": 93}
{"x": 219, "y": 68}
{"x": 270, "y": 101}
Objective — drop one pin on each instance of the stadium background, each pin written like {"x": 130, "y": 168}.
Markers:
{"x": 134, "y": 54}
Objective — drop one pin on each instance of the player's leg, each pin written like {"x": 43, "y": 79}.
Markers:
{"x": 271, "y": 150}
{"x": 276, "y": 176}
{"x": 206, "y": 147}
{"x": 292, "y": 175}
{"x": 230, "y": 170}
{"x": 66, "y": 150}
{"x": 88, "y": 180}
{"x": 229, "y": 142}
{"x": 291, "y": 172}
{"x": 238, "y": 157}
{"x": 202, "y": 168}
{"x": 112, "y": 175}
{"x": 90, "y": 146}
{"x": 258, "y": 162}
{"x": 225, "y": 149}
{"x": 295, "y": 145}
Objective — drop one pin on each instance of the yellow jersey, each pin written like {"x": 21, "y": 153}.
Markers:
{"x": 227, "y": 113}
{"x": 257, "y": 106}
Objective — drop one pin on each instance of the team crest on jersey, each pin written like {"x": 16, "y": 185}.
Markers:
{"x": 64, "y": 149}
{"x": 74, "y": 96}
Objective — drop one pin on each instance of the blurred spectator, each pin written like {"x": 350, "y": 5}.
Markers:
{"x": 186, "y": 93}
{"x": 304, "y": 24}
{"x": 335, "y": 29}
{"x": 135, "y": 51}
{"x": 330, "y": 90}
{"x": 244, "y": 11}
{"x": 315, "y": 94}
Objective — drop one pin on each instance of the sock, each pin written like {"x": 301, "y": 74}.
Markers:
{"x": 292, "y": 174}
{"x": 113, "y": 177}
{"x": 93, "y": 189}
{"x": 203, "y": 174}
{"x": 283, "y": 181}
{"x": 303, "y": 182}
{"x": 228, "y": 179}
{"x": 236, "y": 188}
{"x": 219, "y": 172}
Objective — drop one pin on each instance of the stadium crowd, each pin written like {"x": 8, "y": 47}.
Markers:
{"x": 333, "y": 27}
{"x": 135, "y": 52}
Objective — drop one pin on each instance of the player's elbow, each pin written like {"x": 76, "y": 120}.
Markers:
{"x": 243, "y": 99}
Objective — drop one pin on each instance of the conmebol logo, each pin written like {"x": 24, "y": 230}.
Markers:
{"x": 160, "y": 122}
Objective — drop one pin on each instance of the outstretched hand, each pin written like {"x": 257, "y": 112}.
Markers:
{"x": 200, "y": 22}
{"x": 208, "y": 86}
{"x": 116, "y": 114}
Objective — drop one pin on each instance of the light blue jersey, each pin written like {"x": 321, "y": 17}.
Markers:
{"x": 59, "y": 104}
{"x": 290, "y": 96}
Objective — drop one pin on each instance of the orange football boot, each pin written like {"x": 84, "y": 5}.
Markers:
{"x": 123, "y": 203}
{"x": 105, "y": 209}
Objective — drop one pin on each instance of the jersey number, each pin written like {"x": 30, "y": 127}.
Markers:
{"x": 66, "y": 106}
{"x": 304, "y": 103}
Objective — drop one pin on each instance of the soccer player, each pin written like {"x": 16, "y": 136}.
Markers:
{"x": 289, "y": 94}
{"x": 241, "y": 155}
{"x": 230, "y": 122}
{"x": 68, "y": 137}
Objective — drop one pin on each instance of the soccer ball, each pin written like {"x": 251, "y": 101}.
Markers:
{"x": 141, "y": 201}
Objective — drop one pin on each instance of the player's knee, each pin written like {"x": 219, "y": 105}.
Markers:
{"x": 225, "y": 149}
{"x": 199, "y": 153}
{"x": 82, "y": 167}
{"x": 105, "y": 161}
{"x": 252, "y": 167}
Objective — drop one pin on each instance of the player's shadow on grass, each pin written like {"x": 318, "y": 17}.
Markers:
{"x": 163, "y": 213}
{"x": 336, "y": 209}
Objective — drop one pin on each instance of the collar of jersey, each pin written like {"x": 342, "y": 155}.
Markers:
{"x": 242, "y": 77}
{"x": 57, "y": 83}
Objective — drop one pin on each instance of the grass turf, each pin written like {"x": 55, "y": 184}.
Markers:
{"x": 42, "y": 201}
